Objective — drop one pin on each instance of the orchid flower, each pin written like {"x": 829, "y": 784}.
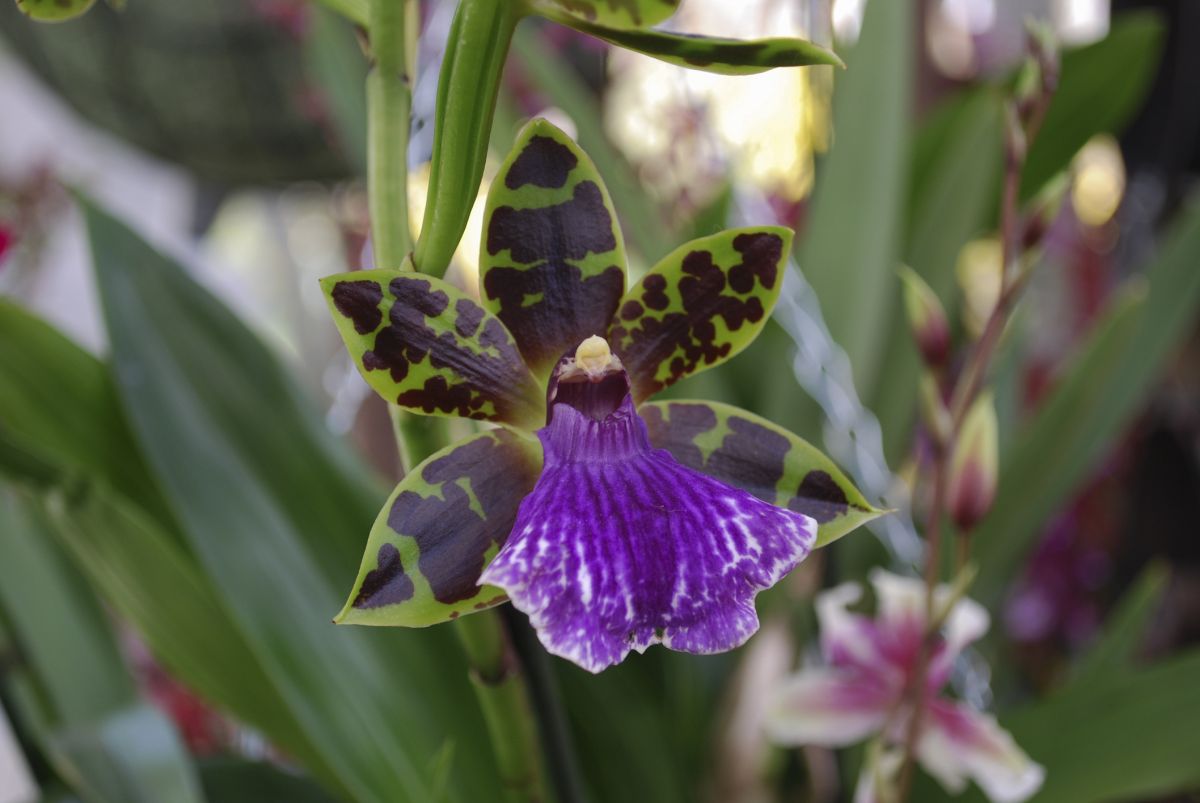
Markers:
{"x": 622, "y": 523}
{"x": 863, "y": 690}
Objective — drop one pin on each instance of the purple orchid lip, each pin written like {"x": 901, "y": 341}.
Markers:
{"x": 619, "y": 546}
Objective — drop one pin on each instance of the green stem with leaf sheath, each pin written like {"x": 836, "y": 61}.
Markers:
{"x": 495, "y": 670}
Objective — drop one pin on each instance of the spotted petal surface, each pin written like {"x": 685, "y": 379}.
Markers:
{"x": 552, "y": 263}
{"x": 443, "y": 522}
{"x": 703, "y": 303}
{"x": 428, "y": 347}
{"x": 615, "y": 13}
{"x": 619, "y": 547}
{"x": 711, "y": 53}
{"x": 749, "y": 452}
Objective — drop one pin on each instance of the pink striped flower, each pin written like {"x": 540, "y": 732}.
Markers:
{"x": 863, "y": 690}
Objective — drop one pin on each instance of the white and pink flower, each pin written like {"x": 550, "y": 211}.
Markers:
{"x": 862, "y": 689}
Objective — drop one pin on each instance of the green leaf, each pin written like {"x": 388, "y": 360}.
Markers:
{"x": 1131, "y": 738}
{"x": 58, "y": 407}
{"x": 233, "y": 780}
{"x": 97, "y": 736}
{"x": 1100, "y": 89}
{"x": 428, "y": 347}
{"x": 552, "y": 260}
{"x": 333, "y": 56}
{"x": 274, "y": 508}
{"x": 751, "y": 453}
{"x": 1097, "y": 395}
{"x": 442, "y": 525}
{"x": 133, "y": 755}
{"x": 852, "y": 242}
{"x": 55, "y": 620}
{"x": 702, "y": 304}
{"x": 614, "y": 13}
{"x": 955, "y": 160}
{"x": 709, "y": 53}
{"x": 54, "y": 10}
{"x": 1114, "y": 652}
{"x": 158, "y": 588}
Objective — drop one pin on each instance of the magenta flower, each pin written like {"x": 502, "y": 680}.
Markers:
{"x": 862, "y": 690}
{"x": 623, "y": 523}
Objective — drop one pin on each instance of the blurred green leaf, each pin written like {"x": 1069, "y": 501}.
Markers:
{"x": 955, "y": 164}
{"x": 1090, "y": 405}
{"x": 334, "y": 58}
{"x": 1114, "y": 652}
{"x": 851, "y": 242}
{"x": 101, "y": 740}
{"x": 133, "y": 755}
{"x": 159, "y": 589}
{"x": 59, "y": 412}
{"x": 1101, "y": 86}
{"x": 275, "y": 512}
{"x": 232, "y": 780}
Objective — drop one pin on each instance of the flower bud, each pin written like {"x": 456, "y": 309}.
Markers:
{"x": 926, "y": 317}
{"x": 973, "y": 466}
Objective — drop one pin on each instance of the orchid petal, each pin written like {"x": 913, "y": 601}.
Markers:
{"x": 619, "y": 546}
{"x": 847, "y": 639}
{"x": 552, "y": 266}
{"x": 751, "y": 453}
{"x": 959, "y": 743}
{"x": 445, "y": 519}
{"x": 828, "y": 707}
{"x": 700, "y": 305}
{"x": 426, "y": 346}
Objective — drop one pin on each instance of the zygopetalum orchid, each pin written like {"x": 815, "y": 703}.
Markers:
{"x": 864, "y": 689}
{"x": 623, "y": 523}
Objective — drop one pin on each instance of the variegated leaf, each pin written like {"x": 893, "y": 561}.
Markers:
{"x": 426, "y": 346}
{"x": 703, "y": 303}
{"x": 54, "y": 10}
{"x": 753, "y": 454}
{"x": 613, "y": 13}
{"x": 552, "y": 262}
{"x": 444, "y": 522}
{"x": 710, "y": 53}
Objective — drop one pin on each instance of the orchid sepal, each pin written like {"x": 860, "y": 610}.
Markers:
{"x": 749, "y": 452}
{"x": 699, "y": 306}
{"x": 428, "y": 347}
{"x": 441, "y": 525}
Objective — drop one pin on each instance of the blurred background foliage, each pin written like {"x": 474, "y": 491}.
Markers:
{"x": 190, "y": 463}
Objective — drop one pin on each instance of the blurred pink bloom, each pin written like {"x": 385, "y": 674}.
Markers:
{"x": 6, "y": 240}
{"x": 862, "y": 690}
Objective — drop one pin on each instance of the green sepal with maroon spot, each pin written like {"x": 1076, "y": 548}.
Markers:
{"x": 444, "y": 522}
{"x": 428, "y": 347}
{"x": 611, "y": 13}
{"x": 552, "y": 260}
{"x": 713, "y": 54}
{"x": 703, "y": 303}
{"x": 751, "y": 453}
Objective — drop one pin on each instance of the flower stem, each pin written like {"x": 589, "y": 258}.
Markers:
{"x": 1022, "y": 125}
{"x": 389, "y": 104}
{"x": 507, "y": 710}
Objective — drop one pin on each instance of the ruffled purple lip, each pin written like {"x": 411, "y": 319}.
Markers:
{"x": 619, "y": 546}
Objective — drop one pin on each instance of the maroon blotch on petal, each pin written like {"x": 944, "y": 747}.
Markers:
{"x": 359, "y": 301}
{"x": 386, "y": 584}
{"x": 543, "y": 162}
{"x": 819, "y": 496}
